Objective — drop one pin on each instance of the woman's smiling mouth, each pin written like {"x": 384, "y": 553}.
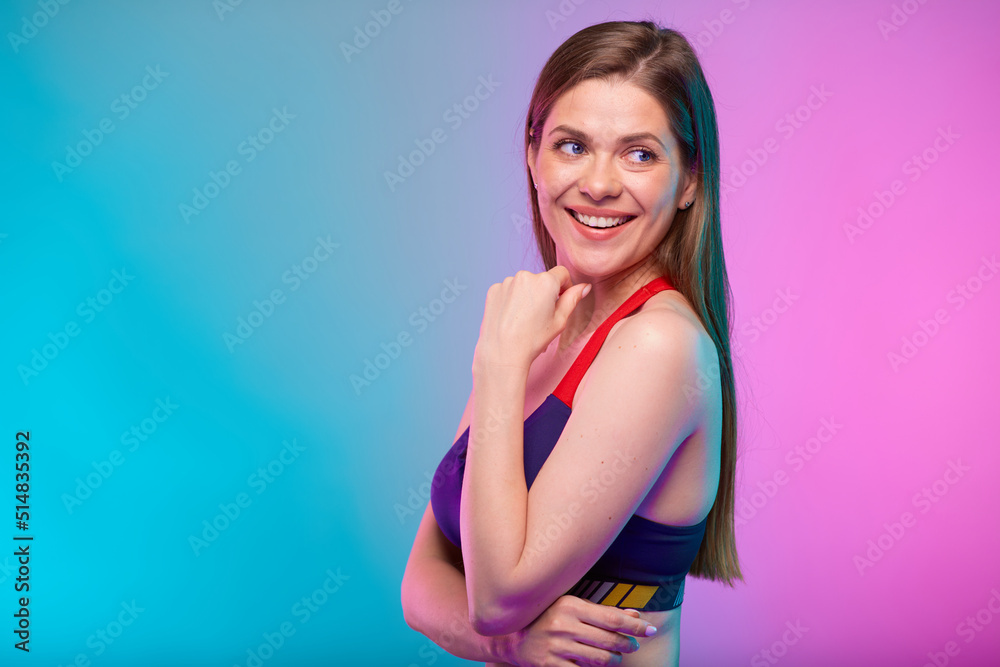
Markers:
{"x": 599, "y": 222}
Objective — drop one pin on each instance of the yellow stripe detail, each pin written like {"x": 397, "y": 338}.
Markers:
{"x": 616, "y": 594}
{"x": 639, "y": 596}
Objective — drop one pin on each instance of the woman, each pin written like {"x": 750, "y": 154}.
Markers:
{"x": 638, "y": 442}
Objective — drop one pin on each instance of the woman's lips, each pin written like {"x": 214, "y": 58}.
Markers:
{"x": 627, "y": 219}
{"x": 596, "y": 233}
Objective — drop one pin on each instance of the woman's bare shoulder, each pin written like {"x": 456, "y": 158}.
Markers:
{"x": 669, "y": 317}
{"x": 667, "y": 313}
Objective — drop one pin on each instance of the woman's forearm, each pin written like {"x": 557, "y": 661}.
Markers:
{"x": 495, "y": 495}
{"x": 438, "y": 607}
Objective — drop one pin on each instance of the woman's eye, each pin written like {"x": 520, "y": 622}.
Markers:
{"x": 649, "y": 155}
{"x": 563, "y": 144}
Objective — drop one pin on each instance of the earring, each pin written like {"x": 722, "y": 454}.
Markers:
{"x": 688, "y": 204}
{"x": 535, "y": 184}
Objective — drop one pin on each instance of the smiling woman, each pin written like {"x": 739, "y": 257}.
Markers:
{"x": 586, "y": 480}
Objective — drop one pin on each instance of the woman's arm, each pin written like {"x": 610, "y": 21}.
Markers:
{"x": 523, "y": 550}
{"x": 571, "y": 631}
{"x": 435, "y": 600}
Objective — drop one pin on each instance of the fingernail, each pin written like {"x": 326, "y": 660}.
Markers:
{"x": 651, "y": 630}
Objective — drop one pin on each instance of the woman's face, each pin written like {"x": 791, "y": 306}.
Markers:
{"x": 607, "y": 150}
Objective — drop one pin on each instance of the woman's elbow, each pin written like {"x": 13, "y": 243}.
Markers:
{"x": 493, "y": 619}
{"x": 487, "y": 625}
{"x": 410, "y": 602}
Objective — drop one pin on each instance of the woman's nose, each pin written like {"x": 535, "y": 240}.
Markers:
{"x": 599, "y": 179}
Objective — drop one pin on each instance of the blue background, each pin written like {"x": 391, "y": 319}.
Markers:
{"x": 162, "y": 336}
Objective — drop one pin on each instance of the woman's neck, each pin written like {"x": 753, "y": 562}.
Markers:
{"x": 606, "y": 295}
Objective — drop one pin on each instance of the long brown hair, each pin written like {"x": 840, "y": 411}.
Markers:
{"x": 662, "y": 62}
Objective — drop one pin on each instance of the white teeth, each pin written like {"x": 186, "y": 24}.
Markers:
{"x": 592, "y": 221}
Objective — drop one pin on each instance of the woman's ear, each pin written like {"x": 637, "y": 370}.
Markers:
{"x": 690, "y": 187}
{"x": 532, "y": 153}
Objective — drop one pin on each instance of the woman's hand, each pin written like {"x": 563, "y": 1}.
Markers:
{"x": 574, "y": 631}
{"x": 523, "y": 314}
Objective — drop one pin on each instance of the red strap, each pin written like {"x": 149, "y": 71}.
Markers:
{"x": 567, "y": 386}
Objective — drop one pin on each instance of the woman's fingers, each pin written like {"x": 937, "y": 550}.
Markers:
{"x": 648, "y": 629}
{"x": 574, "y": 631}
{"x": 593, "y": 657}
{"x": 607, "y": 630}
{"x": 603, "y": 641}
{"x": 616, "y": 620}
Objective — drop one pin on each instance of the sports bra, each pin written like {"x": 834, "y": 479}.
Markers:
{"x": 647, "y": 564}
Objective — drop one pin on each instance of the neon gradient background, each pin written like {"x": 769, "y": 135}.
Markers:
{"x": 854, "y": 298}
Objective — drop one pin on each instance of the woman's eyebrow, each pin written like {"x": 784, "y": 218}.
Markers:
{"x": 628, "y": 138}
